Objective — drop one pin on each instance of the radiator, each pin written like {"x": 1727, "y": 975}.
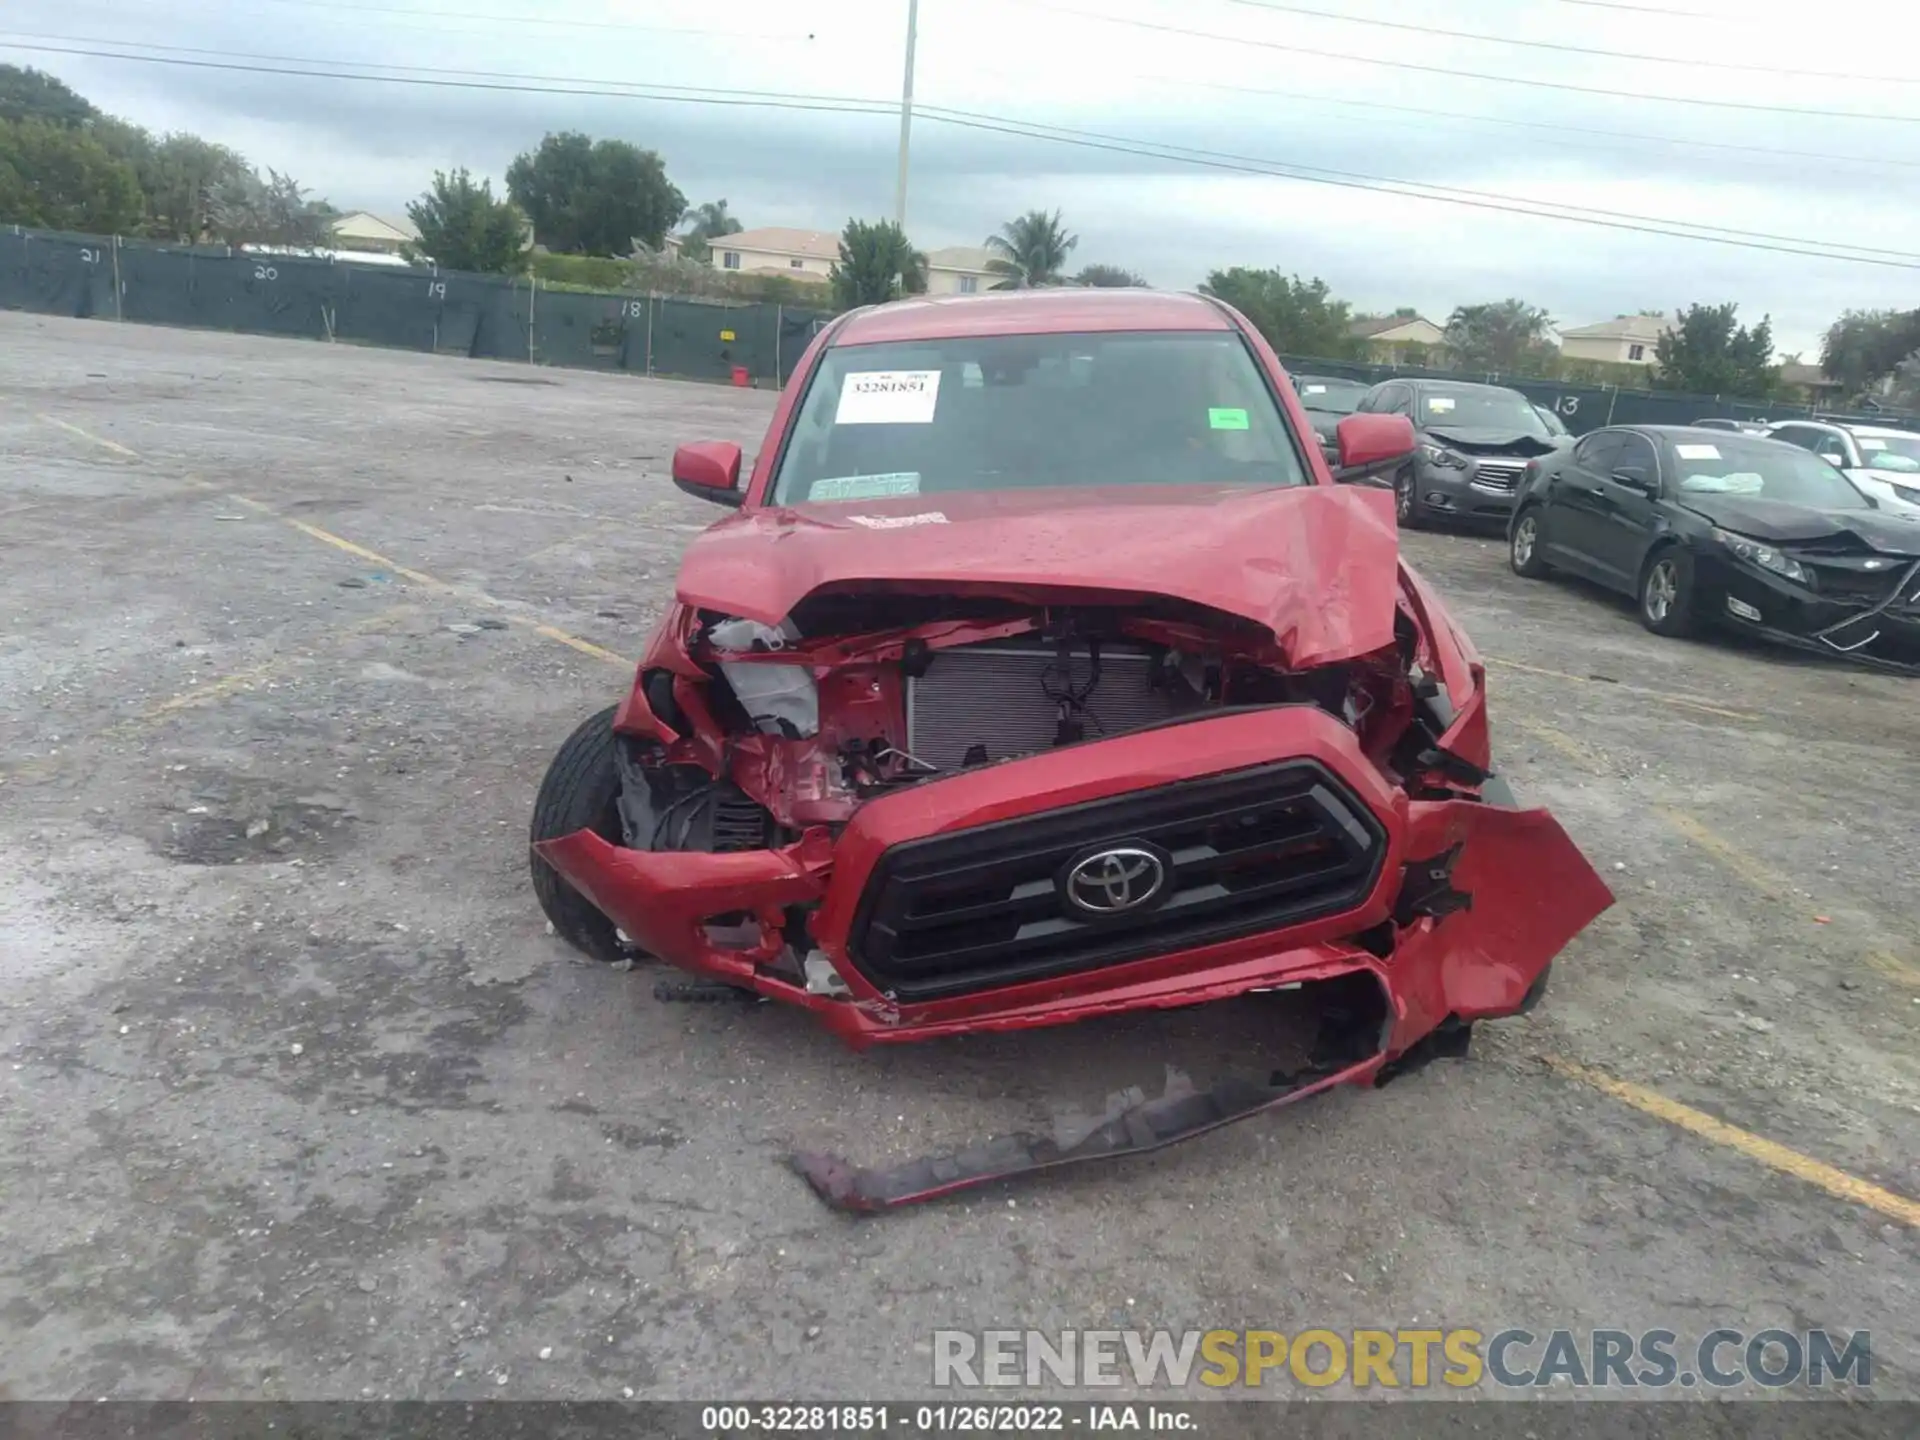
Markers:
{"x": 993, "y": 695}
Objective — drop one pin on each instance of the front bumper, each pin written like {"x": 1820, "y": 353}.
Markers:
{"x": 1458, "y": 908}
{"x": 1469, "y": 494}
{"x": 1881, "y": 636}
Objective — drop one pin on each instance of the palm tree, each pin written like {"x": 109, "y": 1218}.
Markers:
{"x": 710, "y": 220}
{"x": 1030, "y": 252}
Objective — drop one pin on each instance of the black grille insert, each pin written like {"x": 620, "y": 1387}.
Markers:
{"x": 1251, "y": 851}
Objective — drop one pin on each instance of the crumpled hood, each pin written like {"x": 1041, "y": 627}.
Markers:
{"x": 1318, "y": 565}
{"x": 1786, "y": 524}
{"x": 1518, "y": 442}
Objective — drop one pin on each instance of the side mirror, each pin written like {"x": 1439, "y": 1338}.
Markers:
{"x": 1635, "y": 477}
{"x": 1364, "y": 445}
{"x": 709, "y": 470}
{"x": 1839, "y": 462}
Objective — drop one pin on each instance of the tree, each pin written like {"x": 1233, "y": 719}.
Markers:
{"x": 1030, "y": 252}
{"x": 1109, "y": 277}
{"x": 181, "y": 174}
{"x": 34, "y": 95}
{"x": 877, "y": 264}
{"x": 1862, "y": 347}
{"x": 1298, "y": 317}
{"x": 1708, "y": 353}
{"x": 594, "y": 197}
{"x": 710, "y": 220}
{"x": 1508, "y": 335}
{"x": 244, "y": 209}
{"x": 463, "y": 227}
{"x": 61, "y": 178}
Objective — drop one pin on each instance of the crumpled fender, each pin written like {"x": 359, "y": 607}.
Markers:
{"x": 1522, "y": 891}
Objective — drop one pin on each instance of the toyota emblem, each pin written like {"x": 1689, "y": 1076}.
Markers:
{"x": 1115, "y": 881}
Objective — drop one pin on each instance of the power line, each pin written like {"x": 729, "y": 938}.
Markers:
{"x": 1691, "y": 62}
{"x": 648, "y": 88}
{"x": 761, "y": 99}
{"x": 1607, "y": 91}
{"x": 1029, "y": 130}
{"x": 1529, "y": 125}
{"x": 1422, "y": 190}
{"x": 519, "y": 21}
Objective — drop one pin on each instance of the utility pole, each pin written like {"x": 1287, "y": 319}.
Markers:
{"x": 906, "y": 116}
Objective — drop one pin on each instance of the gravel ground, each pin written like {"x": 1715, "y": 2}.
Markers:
{"x": 298, "y": 1098}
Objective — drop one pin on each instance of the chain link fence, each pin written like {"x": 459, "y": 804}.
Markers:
{"x": 491, "y": 317}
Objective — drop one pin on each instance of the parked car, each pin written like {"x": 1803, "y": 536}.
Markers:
{"x": 1044, "y": 672}
{"x": 1327, "y": 399}
{"x": 1475, "y": 441}
{"x": 1705, "y": 528}
{"x": 1745, "y": 427}
{"x": 1881, "y": 462}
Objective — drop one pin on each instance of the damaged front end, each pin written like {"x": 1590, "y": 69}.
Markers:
{"x": 921, "y": 810}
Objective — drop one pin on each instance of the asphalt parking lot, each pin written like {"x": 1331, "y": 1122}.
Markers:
{"x": 299, "y": 1099}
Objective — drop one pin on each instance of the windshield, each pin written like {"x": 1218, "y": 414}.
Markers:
{"x": 1896, "y": 454}
{"x": 1764, "y": 469}
{"x": 1331, "y": 397}
{"x": 1014, "y": 412}
{"x": 1477, "y": 409}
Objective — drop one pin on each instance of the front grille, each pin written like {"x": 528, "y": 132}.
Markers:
{"x": 1863, "y": 587}
{"x": 1001, "y": 699}
{"x": 1248, "y": 851}
{"x": 1502, "y": 475}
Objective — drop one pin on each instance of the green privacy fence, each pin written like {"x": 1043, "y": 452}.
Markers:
{"x": 1587, "y": 407}
{"x": 494, "y": 317}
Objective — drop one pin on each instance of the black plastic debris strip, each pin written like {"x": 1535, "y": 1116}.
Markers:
{"x": 1149, "y": 1126}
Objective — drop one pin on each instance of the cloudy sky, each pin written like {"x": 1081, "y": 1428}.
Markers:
{"x": 1744, "y": 134}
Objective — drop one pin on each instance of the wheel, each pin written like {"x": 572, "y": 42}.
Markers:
{"x": 1407, "y": 507}
{"x": 1666, "y": 593}
{"x": 1525, "y": 544}
{"x": 581, "y": 791}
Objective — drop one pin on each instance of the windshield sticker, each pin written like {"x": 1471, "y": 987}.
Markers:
{"x": 865, "y": 487}
{"x": 1697, "y": 452}
{"x": 1867, "y": 442}
{"x": 1226, "y": 418}
{"x": 1313, "y": 389}
{"x": 888, "y": 397}
{"x": 1440, "y": 405}
{"x": 899, "y": 522}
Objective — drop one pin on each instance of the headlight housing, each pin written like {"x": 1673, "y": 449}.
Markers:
{"x": 1905, "y": 492}
{"x": 1755, "y": 552}
{"x": 1439, "y": 455}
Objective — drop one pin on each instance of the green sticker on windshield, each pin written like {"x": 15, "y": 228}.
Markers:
{"x": 1221, "y": 419}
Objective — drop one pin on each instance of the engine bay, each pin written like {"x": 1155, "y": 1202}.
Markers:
{"x": 851, "y": 697}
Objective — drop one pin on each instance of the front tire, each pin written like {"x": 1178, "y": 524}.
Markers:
{"x": 1526, "y": 544}
{"x": 1407, "y": 506}
{"x": 581, "y": 791}
{"x": 1666, "y": 593}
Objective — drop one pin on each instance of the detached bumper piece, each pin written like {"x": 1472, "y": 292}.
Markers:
{"x": 1352, "y": 1029}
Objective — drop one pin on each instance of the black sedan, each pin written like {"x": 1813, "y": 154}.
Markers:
{"x": 1707, "y": 527}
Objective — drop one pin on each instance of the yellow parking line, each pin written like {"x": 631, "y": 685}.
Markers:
{"x": 1581, "y": 755}
{"x": 1755, "y": 872}
{"x": 1894, "y": 968}
{"x": 420, "y": 577}
{"x": 115, "y": 446}
{"x": 1666, "y": 697}
{"x": 1768, "y": 1152}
